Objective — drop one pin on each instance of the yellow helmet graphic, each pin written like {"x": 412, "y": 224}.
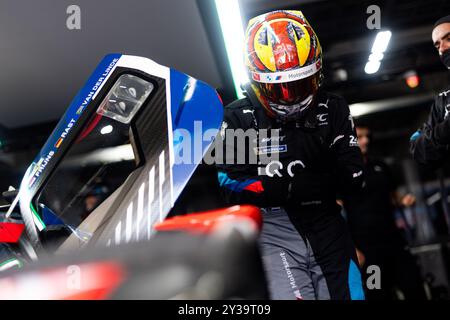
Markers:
{"x": 284, "y": 59}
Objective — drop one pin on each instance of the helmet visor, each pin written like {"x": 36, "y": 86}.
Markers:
{"x": 289, "y": 93}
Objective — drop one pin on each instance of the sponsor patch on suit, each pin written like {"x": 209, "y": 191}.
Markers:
{"x": 271, "y": 149}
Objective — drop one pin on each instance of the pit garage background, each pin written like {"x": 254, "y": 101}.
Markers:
{"x": 43, "y": 64}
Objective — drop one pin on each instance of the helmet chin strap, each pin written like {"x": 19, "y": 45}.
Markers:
{"x": 304, "y": 105}
{"x": 292, "y": 112}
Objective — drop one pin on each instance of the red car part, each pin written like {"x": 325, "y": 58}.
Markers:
{"x": 210, "y": 221}
{"x": 89, "y": 281}
{"x": 10, "y": 232}
{"x": 99, "y": 280}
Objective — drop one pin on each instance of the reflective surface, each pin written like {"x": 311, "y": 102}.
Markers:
{"x": 98, "y": 162}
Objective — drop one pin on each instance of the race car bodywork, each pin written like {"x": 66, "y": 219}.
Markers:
{"x": 105, "y": 181}
{"x": 199, "y": 256}
{"x": 109, "y": 172}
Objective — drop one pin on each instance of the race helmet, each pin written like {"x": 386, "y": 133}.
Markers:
{"x": 284, "y": 60}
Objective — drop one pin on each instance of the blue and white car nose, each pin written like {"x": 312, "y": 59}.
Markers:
{"x": 187, "y": 105}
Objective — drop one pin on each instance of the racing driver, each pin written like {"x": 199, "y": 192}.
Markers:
{"x": 305, "y": 244}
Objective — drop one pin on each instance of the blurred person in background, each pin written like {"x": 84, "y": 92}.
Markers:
{"x": 305, "y": 244}
{"x": 371, "y": 217}
{"x": 430, "y": 144}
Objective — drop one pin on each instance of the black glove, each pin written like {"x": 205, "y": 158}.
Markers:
{"x": 276, "y": 191}
{"x": 308, "y": 186}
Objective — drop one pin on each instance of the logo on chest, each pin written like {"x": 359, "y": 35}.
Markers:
{"x": 322, "y": 118}
{"x": 271, "y": 145}
{"x": 275, "y": 168}
{"x": 271, "y": 149}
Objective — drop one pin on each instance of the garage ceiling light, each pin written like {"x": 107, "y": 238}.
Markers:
{"x": 378, "y": 48}
{"x": 372, "y": 67}
{"x": 381, "y": 41}
{"x": 233, "y": 33}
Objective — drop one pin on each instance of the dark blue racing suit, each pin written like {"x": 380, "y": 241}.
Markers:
{"x": 307, "y": 249}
